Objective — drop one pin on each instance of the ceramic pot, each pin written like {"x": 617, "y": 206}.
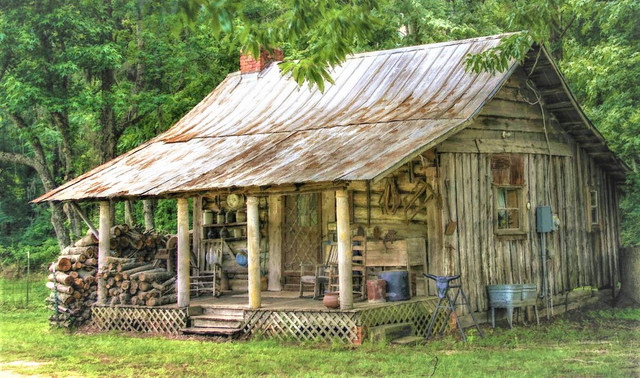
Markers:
{"x": 331, "y": 300}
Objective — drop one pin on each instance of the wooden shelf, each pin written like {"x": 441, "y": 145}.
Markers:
{"x": 225, "y": 224}
{"x": 226, "y": 239}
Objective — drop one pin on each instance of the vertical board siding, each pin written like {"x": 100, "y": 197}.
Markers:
{"x": 484, "y": 258}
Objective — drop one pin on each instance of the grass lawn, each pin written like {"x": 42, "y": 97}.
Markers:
{"x": 600, "y": 341}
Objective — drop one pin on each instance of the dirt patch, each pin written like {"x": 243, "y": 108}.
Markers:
{"x": 6, "y": 368}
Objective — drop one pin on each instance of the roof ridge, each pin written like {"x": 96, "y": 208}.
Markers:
{"x": 429, "y": 45}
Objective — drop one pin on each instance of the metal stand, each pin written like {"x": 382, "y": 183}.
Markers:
{"x": 443, "y": 285}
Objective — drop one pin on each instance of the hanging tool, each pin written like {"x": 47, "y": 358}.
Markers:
{"x": 390, "y": 200}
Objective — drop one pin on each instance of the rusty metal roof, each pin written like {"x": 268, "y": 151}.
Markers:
{"x": 263, "y": 129}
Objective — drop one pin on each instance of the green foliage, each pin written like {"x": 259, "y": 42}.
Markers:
{"x": 500, "y": 58}
{"x": 57, "y": 60}
{"x": 320, "y": 33}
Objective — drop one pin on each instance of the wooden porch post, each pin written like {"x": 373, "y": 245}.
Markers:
{"x": 344, "y": 250}
{"x": 276, "y": 215}
{"x": 253, "y": 246}
{"x": 197, "y": 234}
{"x": 184, "y": 253}
{"x": 104, "y": 230}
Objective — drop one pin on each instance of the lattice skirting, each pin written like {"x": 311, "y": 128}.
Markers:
{"x": 139, "y": 319}
{"x": 345, "y": 327}
{"x": 305, "y": 325}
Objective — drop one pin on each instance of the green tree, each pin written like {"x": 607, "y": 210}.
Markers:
{"x": 82, "y": 81}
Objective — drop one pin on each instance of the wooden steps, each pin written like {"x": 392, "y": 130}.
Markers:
{"x": 207, "y": 321}
{"x": 390, "y": 332}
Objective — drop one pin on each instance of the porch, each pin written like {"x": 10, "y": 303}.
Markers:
{"x": 282, "y": 315}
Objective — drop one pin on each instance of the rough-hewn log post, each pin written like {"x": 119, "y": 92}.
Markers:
{"x": 253, "y": 247}
{"x": 103, "y": 248}
{"x": 197, "y": 229}
{"x": 184, "y": 254}
{"x": 276, "y": 215}
{"x": 344, "y": 250}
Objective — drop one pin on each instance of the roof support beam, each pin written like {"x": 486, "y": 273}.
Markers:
{"x": 253, "y": 250}
{"x": 184, "y": 254}
{"x": 103, "y": 249}
{"x": 345, "y": 254}
{"x": 276, "y": 218}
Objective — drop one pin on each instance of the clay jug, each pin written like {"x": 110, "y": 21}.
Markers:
{"x": 331, "y": 300}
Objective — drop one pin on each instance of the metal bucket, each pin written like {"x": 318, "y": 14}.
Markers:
{"x": 504, "y": 295}
{"x": 376, "y": 291}
{"x": 397, "y": 284}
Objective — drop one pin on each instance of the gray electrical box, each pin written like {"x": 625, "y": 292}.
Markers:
{"x": 544, "y": 219}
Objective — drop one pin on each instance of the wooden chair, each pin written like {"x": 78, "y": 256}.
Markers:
{"x": 358, "y": 268}
{"x": 359, "y": 265}
{"x": 206, "y": 276}
{"x": 319, "y": 275}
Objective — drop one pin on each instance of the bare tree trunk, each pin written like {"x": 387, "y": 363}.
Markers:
{"x": 39, "y": 163}
{"x": 57, "y": 220}
{"x": 113, "y": 212}
{"x": 149, "y": 210}
{"x": 74, "y": 222}
{"x": 128, "y": 213}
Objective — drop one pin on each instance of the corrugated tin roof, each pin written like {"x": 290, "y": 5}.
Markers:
{"x": 263, "y": 129}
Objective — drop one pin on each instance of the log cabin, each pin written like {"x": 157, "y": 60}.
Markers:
{"x": 433, "y": 169}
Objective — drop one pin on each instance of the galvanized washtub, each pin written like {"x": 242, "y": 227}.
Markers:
{"x": 509, "y": 297}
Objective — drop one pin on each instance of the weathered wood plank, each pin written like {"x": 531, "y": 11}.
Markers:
{"x": 476, "y": 257}
{"x": 460, "y": 203}
{"x": 435, "y": 229}
{"x": 490, "y": 146}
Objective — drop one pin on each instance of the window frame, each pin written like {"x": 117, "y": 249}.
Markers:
{"x": 522, "y": 226}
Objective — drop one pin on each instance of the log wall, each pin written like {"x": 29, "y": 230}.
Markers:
{"x": 559, "y": 174}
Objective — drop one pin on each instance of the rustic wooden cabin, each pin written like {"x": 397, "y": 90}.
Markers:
{"x": 431, "y": 168}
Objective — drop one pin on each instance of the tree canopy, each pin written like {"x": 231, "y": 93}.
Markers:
{"x": 83, "y": 81}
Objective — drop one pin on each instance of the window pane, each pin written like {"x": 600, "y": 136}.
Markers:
{"x": 503, "y": 219}
{"x": 512, "y": 198}
{"x": 502, "y": 198}
{"x": 513, "y": 219}
{"x": 594, "y": 215}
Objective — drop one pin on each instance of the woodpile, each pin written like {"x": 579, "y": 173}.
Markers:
{"x": 133, "y": 282}
{"x": 139, "y": 271}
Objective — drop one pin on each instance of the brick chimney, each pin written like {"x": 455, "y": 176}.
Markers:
{"x": 250, "y": 65}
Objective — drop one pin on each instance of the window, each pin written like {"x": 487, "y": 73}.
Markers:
{"x": 508, "y": 194}
{"x": 508, "y": 210}
{"x": 508, "y": 207}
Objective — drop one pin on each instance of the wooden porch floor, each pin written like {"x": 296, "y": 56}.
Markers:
{"x": 283, "y": 301}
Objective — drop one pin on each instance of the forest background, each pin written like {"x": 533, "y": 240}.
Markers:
{"x": 82, "y": 81}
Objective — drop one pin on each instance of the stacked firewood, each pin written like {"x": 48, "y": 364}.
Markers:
{"x": 73, "y": 285}
{"x": 139, "y": 271}
{"x": 132, "y": 282}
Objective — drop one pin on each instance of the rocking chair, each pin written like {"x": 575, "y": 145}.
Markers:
{"x": 319, "y": 275}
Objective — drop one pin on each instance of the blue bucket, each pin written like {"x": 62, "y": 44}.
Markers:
{"x": 241, "y": 259}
